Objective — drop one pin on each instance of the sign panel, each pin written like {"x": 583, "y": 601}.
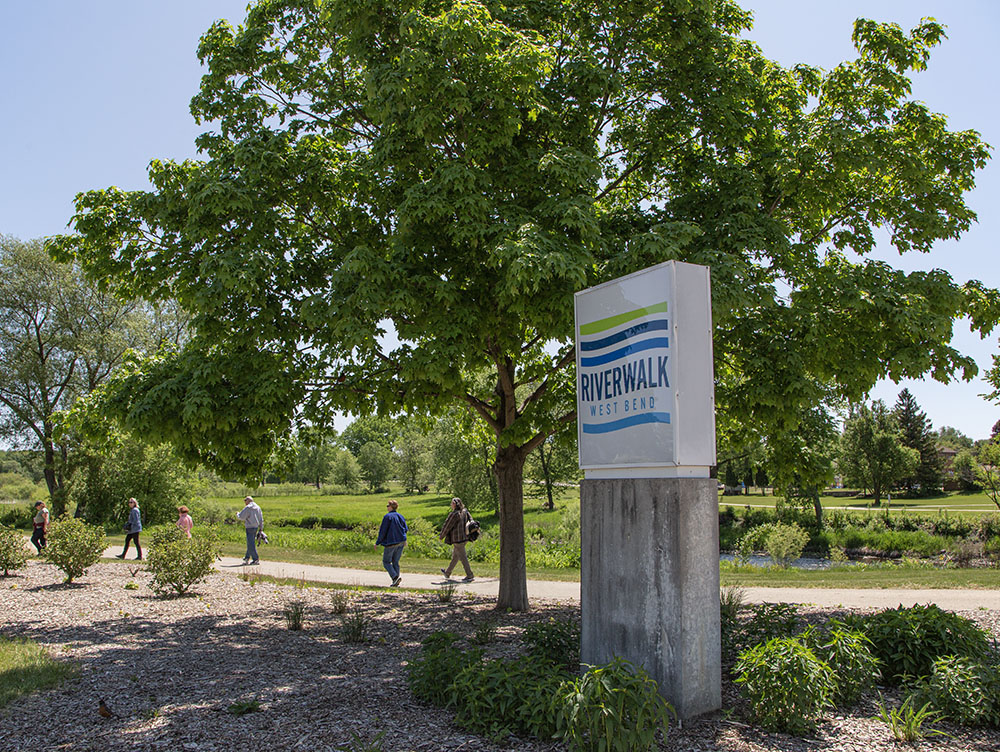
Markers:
{"x": 645, "y": 396}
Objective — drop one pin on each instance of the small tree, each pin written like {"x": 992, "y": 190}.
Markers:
{"x": 872, "y": 454}
{"x": 73, "y": 546}
{"x": 987, "y": 470}
{"x": 13, "y": 554}
{"x": 376, "y": 464}
{"x": 964, "y": 467}
{"x": 178, "y": 562}
{"x": 346, "y": 471}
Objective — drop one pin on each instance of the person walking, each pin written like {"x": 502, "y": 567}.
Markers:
{"x": 454, "y": 533}
{"x": 392, "y": 535}
{"x": 39, "y": 525}
{"x": 184, "y": 521}
{"x": 132, "y": 529}
{"x": 253, "y": 520}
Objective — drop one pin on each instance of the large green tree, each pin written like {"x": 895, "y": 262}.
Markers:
{"x": 452, "y": 171}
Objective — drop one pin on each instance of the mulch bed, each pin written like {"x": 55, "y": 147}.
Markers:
{"x": 173, "y": 670}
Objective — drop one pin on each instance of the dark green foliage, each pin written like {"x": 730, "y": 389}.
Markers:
{"x": 915, "y": 428}
{"x": 786, "y": 684}
{"x": 964, "y": 690}
{"x": 849, "y": 655}
{"x": 501, "y": 697}
{"x": 770, "y": 620}
{"x": 908, "y": 640}
{"x": 554, "y": 642}
{"x": 430, "y": 674}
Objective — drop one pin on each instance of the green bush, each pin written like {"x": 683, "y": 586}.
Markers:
{"x": 785, "y": 543}
{"x": 556, "y": 643}
{"x": 501, "y": 697}
{"x": 439, "y": 658}
{"x": 907, "y": 641}
{"x": 73, "y": 546}
{"x": 613, "y": 707}
{"x": 964, "y": 690}
{"x": 770, "y": 620}
{"x": 13, "y": 553}
{"x": 178, "y": 562}
{"x": 786, "y": 684}
{"x": 848, "y": 653}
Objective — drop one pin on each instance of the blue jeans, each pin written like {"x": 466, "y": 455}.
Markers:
{"x": 251, "y": 544}
{"x": 390, "y": 558}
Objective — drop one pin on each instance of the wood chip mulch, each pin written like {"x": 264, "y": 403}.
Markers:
{"x": 174, "y": 670}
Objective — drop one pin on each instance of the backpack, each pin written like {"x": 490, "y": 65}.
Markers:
{"x": 471, "y": 529}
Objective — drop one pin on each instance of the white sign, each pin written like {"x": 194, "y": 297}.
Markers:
{"x": 645, "y": 391}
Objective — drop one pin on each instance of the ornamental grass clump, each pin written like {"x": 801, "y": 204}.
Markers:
{"x": 74, "y": 546}
{"x": 786, "y": 684}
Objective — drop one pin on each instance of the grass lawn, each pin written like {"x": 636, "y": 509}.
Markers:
{"x": 957, "y": 503}
{"x": 889, "y": 576}
{"x": 25, "y": 667}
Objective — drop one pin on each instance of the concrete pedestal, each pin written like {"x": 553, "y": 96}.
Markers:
{"x": 650, "y": 583}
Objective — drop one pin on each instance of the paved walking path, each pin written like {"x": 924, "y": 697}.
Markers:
{"x": 954, "y": 600}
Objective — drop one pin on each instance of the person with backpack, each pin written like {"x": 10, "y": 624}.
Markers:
{"x": 455, "y": 533}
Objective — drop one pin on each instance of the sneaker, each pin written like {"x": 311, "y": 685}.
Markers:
{"x": 470, "y": 578}
{"x": 119, "y": 556}
{"x": 445, "y": 573}
{"x": 138, "y": 558}
{"x": 246, "y": 561}
{"x": 395, "y": 582}
{"x": 255, "y": 562}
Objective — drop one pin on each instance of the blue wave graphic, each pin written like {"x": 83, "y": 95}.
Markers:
{"x": 632, "y": 331}
{"x": 632, "y": 420}
{"x": 647, "y": 344}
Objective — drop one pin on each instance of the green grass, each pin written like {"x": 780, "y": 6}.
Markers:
{"x": 853, "y": 577}
{"x": 957, "y": 503}
{"x": 25, "y": 667}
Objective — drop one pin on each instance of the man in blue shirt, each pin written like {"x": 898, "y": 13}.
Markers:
{"x": 392, "y": 535}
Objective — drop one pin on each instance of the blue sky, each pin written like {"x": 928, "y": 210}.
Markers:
{"x": 93, "y": 91}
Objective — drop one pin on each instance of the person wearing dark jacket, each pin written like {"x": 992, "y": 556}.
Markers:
{"x": 454, "y": 533}
{"x": 392, "y": 535}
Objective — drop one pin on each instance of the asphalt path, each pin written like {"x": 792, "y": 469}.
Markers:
{"x": 951, "y": 599}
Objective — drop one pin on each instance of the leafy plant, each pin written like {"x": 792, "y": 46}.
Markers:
{"x": 295, "y": 614}
{"x": 485, "y": 633}
{"x": 784, "y": 543}
{"x": 438, "y": 659}
{"x": 907, "y": 721}
{"x": 849, "y": 654}
{"x": 359, "y": 744}
{"x": 730, "y": 604}
{"x": 554, "y": 642}
{"x": 786, "y": 684}
{"x": 242, "y": 707}
{"x": 178, "y": 562}
{"x": 73, "y": 546}
{"x": 908, "y": 640}
{"x": 964, "y": 690}
{"x": 613, "y": 707}
{"x": 13, "y": 554}
{"x": 354, "y": 627}
{"x": 770, "y": 620}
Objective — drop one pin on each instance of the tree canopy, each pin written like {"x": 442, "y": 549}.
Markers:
{"x": 451, "y": 172}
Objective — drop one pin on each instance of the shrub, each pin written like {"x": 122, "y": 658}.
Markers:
{"x": 556, "y": 643}
{"x": 786, "y": 684}
{"x": 613, "y": 707}
{"x": 907, "y": 641}
{"x": 439, "y": 658}
{"x": 848, "y": 653}
{"x": 295, "y": 614}
{"x": 770, "y": 620}
{"x": 73, "y": 546}
{"x": 784, "y": 543}
{"x": 340, "y": 600}
{"x": 178, "y": 562}
{"x": 964, "y": 690}
{"x": 13, "y": 553}
{"x": 501, "y": 697}
{"x": 354, "y": 627}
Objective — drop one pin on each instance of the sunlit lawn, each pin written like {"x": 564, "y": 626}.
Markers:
{"x": 25, "y": 667}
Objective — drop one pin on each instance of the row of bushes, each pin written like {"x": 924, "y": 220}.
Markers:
{"x": 789, "y": 674}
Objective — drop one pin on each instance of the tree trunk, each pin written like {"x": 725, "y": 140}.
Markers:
{"x": 509, "y": 471}
{"x": 818, "y": 508}
{"x": 53, "y": 475}
{"x": 550, "y": 504}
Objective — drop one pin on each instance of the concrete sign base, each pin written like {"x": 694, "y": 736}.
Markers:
{"x": 649, "y": 584}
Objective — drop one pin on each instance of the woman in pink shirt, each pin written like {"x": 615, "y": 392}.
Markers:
{"x": 184, "y": 521}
